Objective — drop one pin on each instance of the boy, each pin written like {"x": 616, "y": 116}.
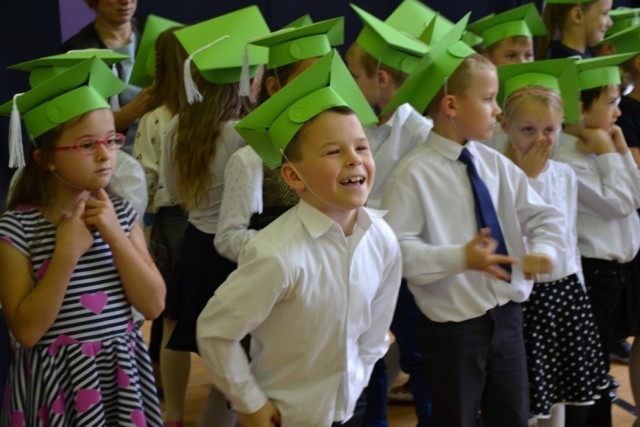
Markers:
{"x": 316, "y": 288}
{"x": 457, "y": 251}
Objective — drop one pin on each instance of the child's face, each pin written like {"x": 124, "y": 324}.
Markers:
{"x": 116, "y": 12}
{"x": 597, "y": 21}
{"x": 604, "y": 111}
{"x": 510, "y": 51}
{"x": 531, "y": 122}
{"x": 476, "y": 108}
{"x": 336, "y": 164}
{"x": 368, "y": 85}
{"x": 85, "y": 172}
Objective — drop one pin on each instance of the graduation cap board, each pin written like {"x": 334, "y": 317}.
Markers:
{"x": 520, "y": 21}
{"x": 326, "y": 84}
{"x": 79, "y": 89}
{"x": 429, "y": 76}
{"x": 624, "y": 41}
{"x": 622, "y": 18}
{"x": 559, "y": 75}
{"x": 144, "y": 67}
{"x": 601, "y": 71}
{"x": 388, "y": 45}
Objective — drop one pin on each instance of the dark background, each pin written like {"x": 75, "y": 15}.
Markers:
{"x": 30, "y": 29}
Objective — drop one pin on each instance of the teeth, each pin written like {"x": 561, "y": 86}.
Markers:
{"x": 354, "y": 179}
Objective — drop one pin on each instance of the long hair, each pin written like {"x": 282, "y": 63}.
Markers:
{"x": 169, "y": 87}
{"x": 554, "y": 17}
{"x": 199, "y": 127}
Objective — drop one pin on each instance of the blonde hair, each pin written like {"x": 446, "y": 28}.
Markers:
{"x": 458, "y": 82}
{"x": 554, "y": 17}
{"x": 543, "y": 95}
{"x": 517, "y": 40}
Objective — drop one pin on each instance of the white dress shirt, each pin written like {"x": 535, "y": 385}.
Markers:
{"x": 608, "y": 196}
{"x": 241, "y": 198}
{"x": 318, "y": 306}
{"x": 204, "y": 216}
{"x": 431, "y": 210}
{"x": 391, "y": 141}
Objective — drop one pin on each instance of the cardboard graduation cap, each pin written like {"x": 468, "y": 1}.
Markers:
{"x": 520, "y": 21}
{"x": 326, "y": 84}
{"x": 622, "y": 18}
{"x": 624, "y": 41}
{"x": 601, "y": 71}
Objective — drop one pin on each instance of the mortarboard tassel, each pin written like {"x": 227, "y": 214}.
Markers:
{"x": 114, "y": 101}
{"x": 245, "y": 84}
{"x": 190, "y": 87}
{"x": 16, "y": 150}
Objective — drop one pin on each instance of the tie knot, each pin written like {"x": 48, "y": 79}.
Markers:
{"x": 466, "y": 157}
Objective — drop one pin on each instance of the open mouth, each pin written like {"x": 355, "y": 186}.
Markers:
{"x": 353, "y": 180}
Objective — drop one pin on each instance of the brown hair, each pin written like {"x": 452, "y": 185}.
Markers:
{"x": 282, "y": 74}
{"x": 554, "y": 17}
{"x": 371, "y": 65}
{"x": 169, "y": 86}
{"x": 199, "y": 126}
{"x": 545, "y": 96}
{"x": 517, "y": 40}
{"x": 589, "y": 96}
{"x": 458, "y": 82}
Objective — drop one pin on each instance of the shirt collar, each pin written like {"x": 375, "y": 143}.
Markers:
{"x": 319, "y": 224}
{"x": 448, "y": 148}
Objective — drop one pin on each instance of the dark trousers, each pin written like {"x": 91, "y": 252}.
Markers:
{"x": 477, "y": 366}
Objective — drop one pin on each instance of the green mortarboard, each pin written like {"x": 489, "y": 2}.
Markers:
{"x": 216, "y": 46}
{"x": 289, "y": 45}
{"x": 625, "y": 41}
{"x": 81, "y": 88}
{"x": 300, "y": 22}
{"x": 326, "y": 84}
{"x": 559, "y": 75}
{"x": 42, "y": 69}
{"x": 521, "y": 21}
{"x": 413, "y": 17}
{"x": 622, "y": 18}
{"x": 388, "y": 45}
{"x": 442, "y": 60}
{"x": 601, "y": 71}
{"x": 144, "y": 67}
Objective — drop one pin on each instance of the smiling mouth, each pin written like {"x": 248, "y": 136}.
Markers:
{"x": 353, "y": 180}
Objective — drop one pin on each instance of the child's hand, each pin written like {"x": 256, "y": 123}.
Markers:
{"x": 480, "y": 255}
{"x": 100, "y": 214}
{"x": 534, "y": 161}
{"x": 596, "y": 141}
{"x": 73, "y": 237}
{"x": 536, "y": 264}
{"x": 619, "y": 142}
{"x": 267, "y": 416}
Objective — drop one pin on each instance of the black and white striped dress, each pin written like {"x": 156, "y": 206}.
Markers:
{"x": 91, "y": 368}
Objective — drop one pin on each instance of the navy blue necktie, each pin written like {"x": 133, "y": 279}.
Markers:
{"x": 486, "y": 215}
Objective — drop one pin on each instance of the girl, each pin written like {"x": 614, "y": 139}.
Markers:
{"x": 73, "y": 261}
{"x": 564, "y": 356}
{"x": 573, "y": 28}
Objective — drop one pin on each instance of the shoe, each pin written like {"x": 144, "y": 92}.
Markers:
{"x": 620, "y": 351}
{"x": 400, "y": 394}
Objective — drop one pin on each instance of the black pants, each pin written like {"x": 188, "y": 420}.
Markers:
{"x": 477, "y": 365}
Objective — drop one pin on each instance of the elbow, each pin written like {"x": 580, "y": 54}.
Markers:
{"x": 27, "y": 338}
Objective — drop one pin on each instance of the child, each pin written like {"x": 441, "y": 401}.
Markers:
{"x": 326, "y": 272}
{"x": 255, "y": 194}
{"x": 468, "y": 272}
{"x": 160, "y": 47}
{"x": 78, "y": 262}
{"x": 564, "y": 356}
{"x": 196, "y": 153}
{"x": 380, "y": 60}
{"x": 608, "y": 196}
{"x": 573, "y": 27}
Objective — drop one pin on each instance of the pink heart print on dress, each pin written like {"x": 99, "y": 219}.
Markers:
{"x": 123, "y": 378}
{"x": 24, "y": 208}
{"x": 17, "y": 419}
{"x": 91, "y": 348}
{"x": 58, "y": 404}
{"x": 7, "y": 239}
{"x": 94, "y": 302}
{"x": 43, "y": 269}
{"x": 59, "y": 342}
{"x": 43, "y": 415}
{"x": 86, "y": 398}
{"x": 138, "y": 419}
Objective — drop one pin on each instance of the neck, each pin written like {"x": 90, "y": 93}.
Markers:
{"x": 572, "y": 129}
{"x": 114, "y": 35}
{"x": 64, "y": 201}
{"x": 445, "y": 127}
{"x": 573, "y": 37}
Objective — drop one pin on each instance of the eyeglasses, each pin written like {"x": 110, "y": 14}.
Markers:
{"x": 90, "y": 145}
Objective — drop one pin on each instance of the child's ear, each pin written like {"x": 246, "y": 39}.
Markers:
{"x": 448, "y": 105}
{"x": 37, "y": 156}
{"x": 503, "y": 122}
{"x": 272, "y": 86}
{"x": 291, "y": 177}
{"x": 575, "y": 15}
{"x": 384, "y": 78}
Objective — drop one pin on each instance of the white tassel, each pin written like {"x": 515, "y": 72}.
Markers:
{"x": 245, "y": 84}
{"x": 16, "y": 150}
{"x": 114, "y": 101}
{"x": 190, "y": 87}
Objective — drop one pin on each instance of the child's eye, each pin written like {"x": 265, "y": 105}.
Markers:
{"x": 362, "y": 148}
{"x": 528, "y": 55}
{"x": 526, "y": 129}
{"x": 333, "y": 152}
{"x": 88, "y": 145}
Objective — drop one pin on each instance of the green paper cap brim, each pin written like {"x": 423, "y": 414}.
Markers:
{"x": 144, "y": 67}
{"x": 440, "y": 62}
{"x": 601, "y": 71}
{"x": 521, "y": 21}
{"x": 625, "y": 41}
{"x": 326, "y": 84}
{"x": 81, "y": 88}
{"x": 300, "y": 22}
{"x": 559, "y": 75}
{"x": 388, "y": 45}
{"x": 413, "y": 17}
{"x": 222, "y": 62}
{"x": 290, "y": 45}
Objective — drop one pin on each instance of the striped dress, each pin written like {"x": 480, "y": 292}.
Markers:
{"x": 91, "y": 368}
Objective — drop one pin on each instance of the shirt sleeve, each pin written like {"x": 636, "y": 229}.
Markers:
{"x": 129, "y": 182}
{"x": 145, "y": 150}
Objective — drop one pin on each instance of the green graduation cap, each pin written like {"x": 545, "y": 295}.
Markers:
{"x": 289, "y": 45}
{"x": 622, "y": 18}
{"x": 42, "y": 69}
{"x": 144, "y": 67}
{"x": 520, "y": 21}
{"x": 81, "y": 88}
{"x": 624, "y": 41}
{"x": 413, "y": 17}
{"x": 442, "y": 59}
{"x": 601, "y": 71}
{"x": 559, "y": 75}
{"x": 326, "y": 84}
{"x": 388, "y": 45}
{"x": 300, "y": 22}
{"x": 216, "y": 46}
